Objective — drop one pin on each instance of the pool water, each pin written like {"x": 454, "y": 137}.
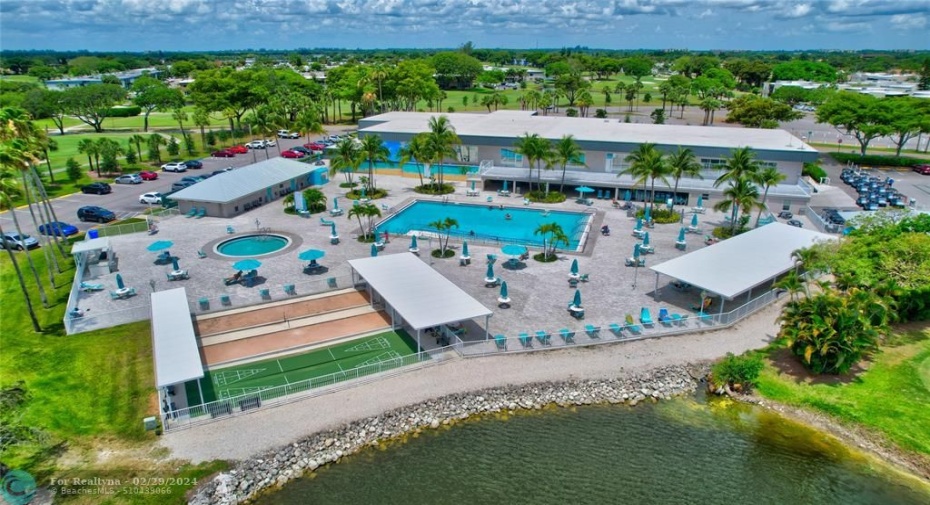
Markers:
{"x": 488, "y": 222}
{"x": 252, "y": 245}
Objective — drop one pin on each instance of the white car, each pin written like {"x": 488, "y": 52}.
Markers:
{"x": 152, "y": 198}
{"x": 257, "y": 144}
{"x": 285, "y": 134}
{"x": 174, "y": 166}
{"x": 270, "y": 143}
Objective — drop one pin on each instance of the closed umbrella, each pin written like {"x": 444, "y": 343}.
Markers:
{"x": 647, "y": 215}
{"x": 374, "y": 250}
{"x": 627, "y": 195}
{"x": 336, "y": 203}
{"x": 472, "y": 185}
{"x": 174, "y": 264}
{"x": 247, "y": 264}
{"x": 119, "y": 282}
{"x": 636, "y": 252}
{"x": 577, "y": 300}
{"x": 489, "y": 276}
{"x": 700, "y": 202}
{"x": 646, "y": 239}
{"x": 639, "y": 224}
{"x": 694, "y": 221}
{"x": 332, "y": 232}
{"x": 465, "y": 249}
{"x": 681, "y": 235}
{"x": 503, "y": 298}
{"x": 363, "y": 192}
{"x": 413, "y": 242}
{"x": 160, "y": 245}
{"x": 574, "y": 268}
{"x": 504, "y": 188}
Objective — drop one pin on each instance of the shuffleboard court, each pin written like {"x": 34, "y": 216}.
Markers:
{"x": 253, "y": 377}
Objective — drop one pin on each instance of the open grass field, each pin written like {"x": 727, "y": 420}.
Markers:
{"x": 892, "y": 396}
{"x": 238, "y": 380}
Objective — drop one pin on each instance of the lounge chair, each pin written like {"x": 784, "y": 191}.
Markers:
{"x": 325, "y": 222}
{"x": 229, "y": 281}
{"x": 204, "y": 303}
{"x": 583, "y": 278}
{"x": 335, "y": 212}
{"x": 224, "y": 299}
{"x": 631, "y": 325}
{"x": 265, "y": 294}
{"x": 704, "y": 317}
{"x": 501, "y": 342}
{"x": 525, "y": 339}
{"x": 230, "y": 230}
{"x": 543, "y": 337}
{"x": 664, "y": 318}
{"x": 91, "y": 287}
{"x": 192, "y": 212}
{"x": 677, "y": 319}
{"x": 201, "y": 213}
{"x": 567, "y": 336}
{"x": 201, "y": 254}
{"x": 631, "y": 262}
{"x": 249, "y": 278}
{"x": 331, "y": 282}
{"x": 592, "y": 331}
{"x": 616, "y": 329}
{"x": 646, "y": 318}
{"x": 706, "y": 305}
{"x": 289, "y": 289}
{"x": 490, "y": 199}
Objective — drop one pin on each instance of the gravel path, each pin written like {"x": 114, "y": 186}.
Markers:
{"x": 241, "y": 437}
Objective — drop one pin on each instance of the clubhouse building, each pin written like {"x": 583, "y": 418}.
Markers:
{"x": 488, "y": 144}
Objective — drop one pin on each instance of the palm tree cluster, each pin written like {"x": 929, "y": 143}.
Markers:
{"x": 744, "y": 176}
{"x": 444, "y": 228}
{"x": 553, "y": 235}
{"x": 368, "y": 211}
{"x": 648, "y": 163}
{"x": 541, "y": 154}
{"x": 21, "y": 143}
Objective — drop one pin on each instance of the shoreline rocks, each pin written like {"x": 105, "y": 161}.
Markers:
{"x": 273, "y": 469}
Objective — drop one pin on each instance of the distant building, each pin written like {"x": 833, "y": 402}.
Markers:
{"x": 126, "y": 78}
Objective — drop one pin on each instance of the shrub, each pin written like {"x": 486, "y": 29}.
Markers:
{"x": 738, "y": 372}
{"x": 600, "y": 113}
{"x": 662, "y": 216}
{"x": 571, "y": 112}
{"x": 543, "y": 197}
{"x": 543, "y": 258}
{"x": 130, "y": 156}
{"x": 435, "y": 189}
{"x": 355, "y": 194}
{"x": 814, "y": 171}
{"x": 437, "y": 253}
{"x": 124, "y": 111}
{"x": 348, "y": 184}
{"x": 73, "y": 169}
{"x": 875, "y": 160}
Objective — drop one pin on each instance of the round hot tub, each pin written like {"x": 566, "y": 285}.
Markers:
{"x": 252, "y": 245}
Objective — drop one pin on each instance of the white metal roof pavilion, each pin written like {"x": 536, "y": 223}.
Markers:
{"x": 416, "y": 292}
{"x": 245, "y": 181}
{"x": 743, "y": 262}
{"x": 177, "y": 358}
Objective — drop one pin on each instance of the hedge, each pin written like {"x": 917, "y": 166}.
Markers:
{"x": 876, "y": 160}
{"x": 814, "y": 171}
{"x": 125, "y": 111}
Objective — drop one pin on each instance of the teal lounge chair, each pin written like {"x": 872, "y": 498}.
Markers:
{"x": 224, "y": 299}
{"x": 616, "y": 329}
{"x": 646, "y": 318}
{"x": 264, "y": 293}
{"x": 567, "y": 336}
{"x": 677, "y": 320}
{"x": 204, "y": 303}
{"x": 201, "y": 254}
{"x": 525, "y": 339}
{"x": 501, "y": 342}
{"x": 192, "y": 212}
{"x": 632, "y": 326}
{"x": 230, "y": 230}
{"x": 91, "y": 287}
{"x": 543, "y": 337}
{"x": 331, "y": 282}
{"x": 289, "y": 289}
{"x": 592, "y": 331}
{"x": 664, "y": 317}
{"x": 326, "y": 222}
{"x": 200, "y": 213}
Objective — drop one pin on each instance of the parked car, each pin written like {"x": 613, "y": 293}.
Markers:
{"x": 148, "y": 175}
{"x": 13, "y": 240}
{"x": 179, "y": 185}
{"x": 223, "y": 153}
{"x": 270, "y": 143}
{"x": 58, "y": 228}
{"x": 285, "y": 134}
{"x": 193, "y": 178}
{"x": 129, "y": 179}
{"x": 292, "y": 154}
{"x": 785, "y": 215}
{"x": 96, "y": 214}
{"x": 174, "y": 166}
{"x": 315, "y": 146}
{"x": 796, "y": 223}
{"x": 239, "y": 149}
{"x": 922, "y": 169}
{"x": 221, "y": 171}
{"x": 195, "y": 164}
{"x": 99, "y": 188}
{"x": 153, "y": 198}
{"x": 256, "y": 144}
{"x": 302, "y": 149}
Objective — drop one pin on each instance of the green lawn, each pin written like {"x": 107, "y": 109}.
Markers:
{"x": 892, "y": 396}
{"x": 251, "y": 377}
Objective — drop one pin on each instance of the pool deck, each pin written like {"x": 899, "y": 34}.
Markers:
{"x": 540, "y": 293}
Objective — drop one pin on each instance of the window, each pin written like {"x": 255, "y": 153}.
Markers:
{"x": 511, "y": 158}
{"x": 579, "y": 164}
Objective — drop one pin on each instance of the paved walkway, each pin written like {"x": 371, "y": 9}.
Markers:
{"x": 266, "y": 429}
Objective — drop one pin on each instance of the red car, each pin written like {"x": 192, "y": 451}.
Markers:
{"x": 148, "y": 175}
{"x": 240, "y": 149}
{"x": 223, "y": 153}
{"x": 922, "y": 169}
{"x": 315, "y": 146}
{"x": 292, "y": 154}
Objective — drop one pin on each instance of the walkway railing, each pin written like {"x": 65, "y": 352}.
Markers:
{"x": 587, "y": 335}
{"x": 216, "y": 410}
{"x": 321, "y": 284}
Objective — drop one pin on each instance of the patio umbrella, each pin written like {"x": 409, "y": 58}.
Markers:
{"x": 374, "y": 250}
{"x": 639, "y": 224}
{"x": 160, "y": 245}
{"x": 694, "y": 221}
{"x": 636, "y": 252}
{"x": 681, "y": 235}
{"x": 582, "y": 190}
{"x": 513, "y": 250}
{"x": 473, "y": 185}
{"x": 336, "y": 203}
{"x": 627, "y": 195}
{"x": 332, "y": 232}
{"x": 574, "y": 268}
{"x": 489, "y": 276}
{"x": 647, "y": 215}
{"x": 465, "y": 249}
{"x": 700, "y": 201}
{"x": 119, "y": 282}
{"x": 363, "y": 192}
{"x": 247, "y": 264}
{"x": 503, "y": 297}
{"x": 577, "y": 300}
{"x": 413, "y": 242}
{"x": 646, "y": 239}
{"x": 504, "y": 188}
{"x": 311, "y": 255}
{"x": 174, "y": 264}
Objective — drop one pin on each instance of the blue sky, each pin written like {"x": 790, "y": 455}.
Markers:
{"x": 171, "y": 25}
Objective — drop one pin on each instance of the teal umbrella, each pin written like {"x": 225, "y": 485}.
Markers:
{"x": 700, "y": 201}
{"x": 363, "y": 191}
{"x": 647, "y": 215}
{"x": 627, "y": 195}
{"x": 377, "y": 236}
{"x": 119, "y": 282}
{"x": 473, "y": 185}
{"x": 513, "y": 250}
{"x": 646, "y": 239}
{"x": 505, "y": 186}
{"x": 332, "y": 232}
{"x": 577, "y": 300}
{"x": 582, "y": 190}
{"x": 490, "y": 274}
{"x": 636, "y": 252}
{"x": 160, "y": 245}
{"x": 465, "y": 249}
{"x": 336, "y": 203}
{"x": 694, "y": 221}
{"x": 504, "y": 291}
{"x": 311, "y": 255}
{"x": 639, "y": 224}
{"x": 247, "y": 264}
{"x": 374, "y": 250}
{"x": 174, "y": 264}
{"x": 574, "y": 268}
{"x": 681, "y": 235}
{"x": 413, "y": 242}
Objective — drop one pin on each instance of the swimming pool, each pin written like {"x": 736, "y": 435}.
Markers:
{"x": 252, "y": 245}
{"x": 412, "y": 168}
{"x": 488, "y": 222}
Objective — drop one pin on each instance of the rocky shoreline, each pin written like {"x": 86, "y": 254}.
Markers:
{"x": 275, "y": 468}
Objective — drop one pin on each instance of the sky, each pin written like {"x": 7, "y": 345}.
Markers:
{"x": 209, "y": 25}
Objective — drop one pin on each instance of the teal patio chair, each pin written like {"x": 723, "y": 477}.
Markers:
{"x": 616, "y": 329}
{"x": 592, "y": 331}
{"x": 543, "y": 337}
{"x": 224, "y": 299}
{"x": 525, "y": 339}
{"x": 645, "y": 318}
{"x": 632, "y": 326}
{"x": 567, "y": 335}
{"x": 501, "y": 342}
{"x": 264, "y": 293}
{"x": 289, "y": 289}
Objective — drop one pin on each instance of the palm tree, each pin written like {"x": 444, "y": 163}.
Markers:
{"x": 415, "y": 150}
{"x": 552, "y": 234}
{"x": 137, "y": 140}
{"x": 179, "y": 115}
{"x": 379, "y": 74}
{"x": 741, "y": 195}
{"x": 791, "y": 283}
{"x": 154, "y": 141}
{"x": 444, "y": 227}
{"x": 308, "y": 121}
{"x": 741, "y": 168}
{"x": 316, "y": 199}
{"x": 201, "y": 118}
{"x": 568, "y": 151}
{"x": 346, "y": 160}
{"x": 535, "y": 149}
{"x": 682, "y": 163}
{"x": 709, "y": 105}
{"x": 768, "y": 177}
{"x": 91, "y": 149}
{"x": 439, "y": 141}
{"x": 366, "y": 210}
{"x": 374, "y": 150}
{"x": 646, "y": 163}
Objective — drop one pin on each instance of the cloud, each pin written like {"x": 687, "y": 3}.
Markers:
{"x": 905, "y": 22}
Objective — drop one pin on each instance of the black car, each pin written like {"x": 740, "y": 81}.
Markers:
{"x": 195, "y": 164}
{"x": 785, "y": 215}
{"x": 97, "y": 214}
{"x": 302, "y": 149}
{"x": 98, "y": 188}
{"x": 179, "y": 185}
